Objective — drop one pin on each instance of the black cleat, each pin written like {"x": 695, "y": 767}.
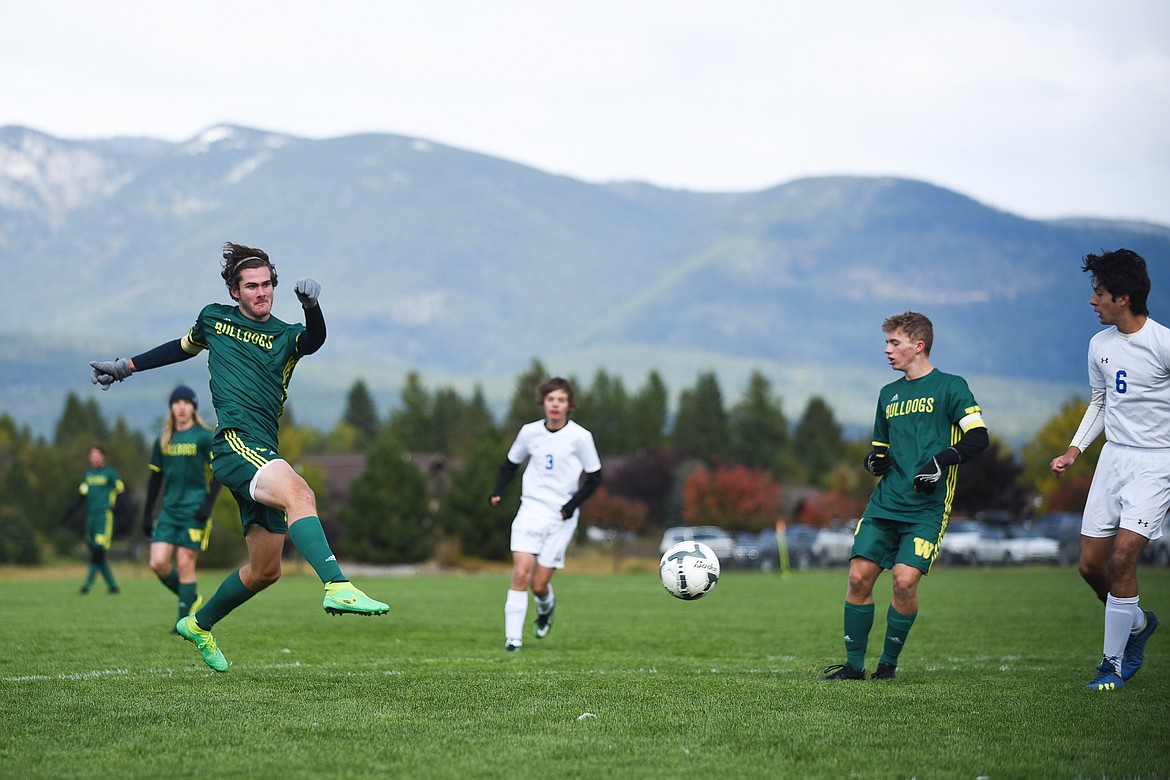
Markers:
{"x": 884, "y": 671}
{"x": 843, "y": 672}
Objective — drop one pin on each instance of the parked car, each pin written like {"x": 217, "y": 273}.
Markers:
{"x": 831, "y": 546}
{"x": 1065, "y": 528}
{"x": 747, "y": 550}
{"x": 1015, "y": 544}
{"x": 960, "y": 540}
{"x": 799, "y": 539}
{"x": 720, "y": 542}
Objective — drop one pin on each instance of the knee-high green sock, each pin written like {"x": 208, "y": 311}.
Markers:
{"x": 187, "y": 595}
{"x": 230, "y": 594}
{"x": 858, "y": 622}
{"x": 309, "y": 538}
{"x": 897, "y": 627}
{"x": 108, "y": 574}
{"x": 171, "y": 581}
{"x": 90, "y": 574}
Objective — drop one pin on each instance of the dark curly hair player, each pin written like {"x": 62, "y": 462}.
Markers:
{"x": 251, "y": 357}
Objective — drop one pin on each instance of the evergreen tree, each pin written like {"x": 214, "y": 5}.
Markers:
{"x": 759, "y": 429}
{"x": 34, "y": 488}
{"x": 700, "y": 428}
{"x": 387, "y": 518}
{"x": 477, "y": 419}
{"x": 362, "y": 414}
{"x": 412, "y": 422}
{"x": 605, "y": 411}
{"x": 648, "y": 412}
{"x": 819, "y": 441}
{"x": 483, "y": 531}
{"x": 524, "y": 408}
{"x": 81, "y": 423}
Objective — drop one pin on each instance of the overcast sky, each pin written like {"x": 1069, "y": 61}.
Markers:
{"x": 1045, "y": 109}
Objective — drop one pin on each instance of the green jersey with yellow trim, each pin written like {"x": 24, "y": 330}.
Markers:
{"x": 185, "y": 466}
{"x": 250, "y": 364}
{"x": 918, "y": 419}
{"x": 101, "y": 488}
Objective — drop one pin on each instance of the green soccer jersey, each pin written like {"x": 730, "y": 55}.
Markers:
{"x": 250, "y": 364}
{"x": 919, "y": 418}
{"x": 100, "y": 488}
{"x": 186, "y": 470}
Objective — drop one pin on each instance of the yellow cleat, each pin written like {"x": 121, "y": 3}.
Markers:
{"x": 204, "y": 641}
{"x": 343, "y": 598}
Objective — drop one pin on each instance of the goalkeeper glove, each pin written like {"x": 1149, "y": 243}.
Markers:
{"x": 307, "y": 291}
{"x": 106, "y": 372}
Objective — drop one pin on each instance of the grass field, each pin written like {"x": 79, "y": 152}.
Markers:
{"x": 631, "y": 683}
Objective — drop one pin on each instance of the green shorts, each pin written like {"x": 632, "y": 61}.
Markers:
{"x": 181, "y": 533}
{"x": 236, "y": 459}
{"x": 887, "y": 542}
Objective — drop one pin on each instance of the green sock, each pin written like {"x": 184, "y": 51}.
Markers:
{"x": 187, "y": 595}
{"x": 858, "y": 622}
{"x": 897, "y": 627}
{"x": 108, "y": 573}
{"x": 171, "y": 581}
{"x": 309, "y": 538}
{"x": 230, "y": 594}
{"x": 90, "y": 574}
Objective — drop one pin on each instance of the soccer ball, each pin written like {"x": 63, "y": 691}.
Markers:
{"x": 689, "y": 570}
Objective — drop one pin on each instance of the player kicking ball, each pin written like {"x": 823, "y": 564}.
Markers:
{"x": 927, "y": 423}
{"x": 251, "y": 357}
{"x": 558, "y": 450}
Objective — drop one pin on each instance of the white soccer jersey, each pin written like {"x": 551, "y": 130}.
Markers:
{"x": 556, "y": 460}
{"x": 1134, "y": 371}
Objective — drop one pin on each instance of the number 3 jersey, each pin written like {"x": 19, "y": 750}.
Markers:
{"x": 1134, "y": 371}
{"x": 556, "y": 460}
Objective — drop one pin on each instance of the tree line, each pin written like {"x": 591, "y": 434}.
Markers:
{"x": 741, "y": 466}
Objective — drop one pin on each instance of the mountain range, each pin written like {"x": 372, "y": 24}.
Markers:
{"x": 464, "y": 268}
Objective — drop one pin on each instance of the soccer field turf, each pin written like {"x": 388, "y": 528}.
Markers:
{"x": 630, "y": 683}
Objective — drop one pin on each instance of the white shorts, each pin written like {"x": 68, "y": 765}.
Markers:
{"x": 1130, "y": 490}
{"x": 542, "y": 531}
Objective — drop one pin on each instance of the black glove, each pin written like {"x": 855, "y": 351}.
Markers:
{"x": 307, "y": 291}
{"x": 878, "y": 461}
{"x": 106, "y": 372}
{"x": 928, "y": 476}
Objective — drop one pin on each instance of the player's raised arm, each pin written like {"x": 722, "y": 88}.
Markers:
{"x": 106, "y": 372}
{"x": 310, "y": 341}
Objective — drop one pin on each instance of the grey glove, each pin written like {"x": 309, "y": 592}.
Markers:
{"x": 307, "y": 291}
{"x": 106, "y": 372}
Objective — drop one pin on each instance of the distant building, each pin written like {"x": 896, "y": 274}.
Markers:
{"x": 341, "y": 469}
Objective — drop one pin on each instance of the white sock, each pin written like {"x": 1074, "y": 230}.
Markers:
{"x": 1121, "y": 615}
{"x": 515, "y": 611}
{"x": 1139, "y": 624}
{"x": 543, "y": 605}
